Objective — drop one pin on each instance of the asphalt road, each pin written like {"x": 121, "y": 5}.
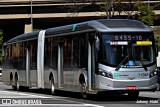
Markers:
{"x": 38, "y": 97}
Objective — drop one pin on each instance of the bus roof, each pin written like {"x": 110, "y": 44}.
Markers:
{"x": 23, "y": 37}
{"x": 101, "y": 25}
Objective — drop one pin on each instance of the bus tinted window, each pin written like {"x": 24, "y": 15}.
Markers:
{"x": 71, "y": 53}
{"x": 115, "y": 50}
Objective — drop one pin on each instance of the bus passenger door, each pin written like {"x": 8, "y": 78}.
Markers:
{"x": 91, "y": 64}
{"x": 71, "y": 63}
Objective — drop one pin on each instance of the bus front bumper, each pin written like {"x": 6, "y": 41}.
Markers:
{"x": 105, "y": 84}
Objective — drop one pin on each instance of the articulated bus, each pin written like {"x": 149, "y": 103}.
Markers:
{"x": 91, "y": 57}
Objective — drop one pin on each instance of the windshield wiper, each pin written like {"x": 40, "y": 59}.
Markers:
{"x": 145, "y": 68}
{"x": 117, "y": 68}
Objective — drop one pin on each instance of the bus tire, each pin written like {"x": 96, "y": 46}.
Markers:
{"x": 52, "y": 86}
{"x": 17, "y": 84}
{"x": 84, "y": 90}
{"x": 24, "y": 88}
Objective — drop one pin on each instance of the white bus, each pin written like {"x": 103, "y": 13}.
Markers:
{"x": 117, "y": 55}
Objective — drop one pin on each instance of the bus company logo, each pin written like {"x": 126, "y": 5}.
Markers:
{"x": 115, "y": 75}
{"x": 6, "y": 101}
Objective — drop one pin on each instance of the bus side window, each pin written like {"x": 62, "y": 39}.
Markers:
{"x": 33, "y": 54}
{"x": 54, "y": 53}
{"x": 83, "y": 52}
{"x": 67, "y": 53}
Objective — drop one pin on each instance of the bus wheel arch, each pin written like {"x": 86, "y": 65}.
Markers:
{"x": 82, "y": 79}
{"x": 11, "y": 78}
{"x": 83, "y": 83}
{"x": 50, "y": 76}
{"x": 16, "y": 76}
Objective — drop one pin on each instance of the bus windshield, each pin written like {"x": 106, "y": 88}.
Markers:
{"x": 127, "y": 50}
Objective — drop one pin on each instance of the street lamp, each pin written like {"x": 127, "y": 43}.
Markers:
{"x": 148, "y": 4}
{"x": 31, "y": 16}
{"x": 111, "y": 9}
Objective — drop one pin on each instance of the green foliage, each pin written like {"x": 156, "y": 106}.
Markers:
{"x": 1, "y": 38}
{"x": 145, "y": 13}
{"x": 157, "y": 35}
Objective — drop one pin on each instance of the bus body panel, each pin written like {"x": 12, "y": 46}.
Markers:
{"x": 33, "y": 78}
{"x": 70, "y": 62}
{"x": 40, "y": 59}
{"x": 22, "y": 78}
{"x": 106, "y": 84}
{"x": 71, "y": 81}
{"x": 124, "y": 77}
{"x": 47, "y": 81}
{"x": 6, "y": 76}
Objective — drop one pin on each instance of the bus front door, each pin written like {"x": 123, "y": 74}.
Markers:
{"x": 91, "y": 65}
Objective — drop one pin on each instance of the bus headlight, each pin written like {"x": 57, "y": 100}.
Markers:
{"x": 153, "y": 73}
{"x": 105, "y": 73}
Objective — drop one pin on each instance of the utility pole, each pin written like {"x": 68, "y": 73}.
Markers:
{"x": 111, "y": 8}
{"x": 31, "y": 15}
{"x": 148, "y": 4}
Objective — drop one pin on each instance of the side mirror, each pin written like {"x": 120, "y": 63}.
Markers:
{"x": 97, "y": 44}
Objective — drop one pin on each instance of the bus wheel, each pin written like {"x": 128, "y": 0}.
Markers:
{"x": 17, "y": 84}
{"x": 84, "y": 90}
{"x": 133, "y": 94}
{"x": 52, "y": 86}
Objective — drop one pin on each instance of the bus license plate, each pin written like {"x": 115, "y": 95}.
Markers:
{"x": 130, "y": 87}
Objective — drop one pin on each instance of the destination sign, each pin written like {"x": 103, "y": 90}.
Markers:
{"x": 118, "y": 43}
{"x": 144, "y": 42}
{"x": 128, "y": 37}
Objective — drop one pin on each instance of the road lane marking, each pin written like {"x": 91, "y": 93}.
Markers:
{"x": 25, "y": 94}
{"x": 55, "y": 98}
{"x": 93, "y": 105}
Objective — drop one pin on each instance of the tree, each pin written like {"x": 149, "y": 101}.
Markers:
{"x": 107, "y": 6}
{"x": 145, "y": 13}
{"x": 126, "y": 6}
{"x": 156, "y": 30}
{"x": 73, "y": 7}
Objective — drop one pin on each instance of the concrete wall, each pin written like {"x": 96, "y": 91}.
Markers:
{"x": 15, "y": 15}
